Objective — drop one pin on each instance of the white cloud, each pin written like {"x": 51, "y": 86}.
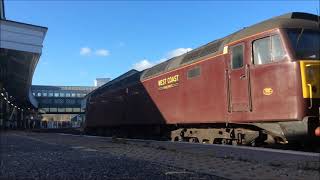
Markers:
{"x": 102, "y": 52}
{"x": 143, "y": 64}
{"x": 85, "y": 51}
{"x": 44, "y": 62}
{"x": 177, "y": 52}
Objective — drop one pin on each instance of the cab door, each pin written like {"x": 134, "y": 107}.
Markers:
{"x": 239, "y": 86}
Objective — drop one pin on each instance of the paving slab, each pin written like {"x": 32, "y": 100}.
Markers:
{"x": 159, "y": 160}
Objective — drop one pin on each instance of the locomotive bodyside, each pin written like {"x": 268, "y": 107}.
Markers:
{"x": 121, "y": 104}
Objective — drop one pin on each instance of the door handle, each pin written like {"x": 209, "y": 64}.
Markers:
{"x": 243, "y": 76}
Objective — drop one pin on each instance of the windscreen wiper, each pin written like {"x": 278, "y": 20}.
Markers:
{"x": 299, "y": 36}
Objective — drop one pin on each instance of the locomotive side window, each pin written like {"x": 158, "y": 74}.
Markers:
{"x": 267, "y": 50}
{"x": 276, "y": 47}
{"x": 237, "y": 56}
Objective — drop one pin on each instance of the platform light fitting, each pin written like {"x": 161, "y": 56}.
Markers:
{"x": 2, "y": 94}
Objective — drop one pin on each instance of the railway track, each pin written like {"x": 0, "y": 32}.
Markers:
{"x": 314, "y": 148}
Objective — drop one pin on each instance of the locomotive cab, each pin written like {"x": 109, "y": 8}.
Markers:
{"x": 279, "y": 74}
{"x": 305, "y": 47}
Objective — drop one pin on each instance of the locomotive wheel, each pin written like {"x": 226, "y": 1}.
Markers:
{"x": 194, "y": 140}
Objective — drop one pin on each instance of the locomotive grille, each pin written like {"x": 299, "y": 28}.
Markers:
{"x": 191, "y": 56}
{"x": 208, "y": 49}
{"x": 211, "y": 48}
{"x": 156, "y": 69}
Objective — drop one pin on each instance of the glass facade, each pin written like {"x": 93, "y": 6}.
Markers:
{"x": 60, "y": 99}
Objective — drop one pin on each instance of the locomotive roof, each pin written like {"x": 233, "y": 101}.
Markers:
{"x": 112, "y": 83}
{"x": 289, "y": 20}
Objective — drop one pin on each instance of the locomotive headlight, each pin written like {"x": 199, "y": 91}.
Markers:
{"x": 311, "y": 78}
{"x": 313, "y": 75}
{"x": 310, "y": 73}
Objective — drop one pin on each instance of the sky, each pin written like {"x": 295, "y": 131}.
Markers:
{"x": 95, "y": 39}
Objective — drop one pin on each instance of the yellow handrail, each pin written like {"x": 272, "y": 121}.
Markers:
{"x": 310, "y": 95}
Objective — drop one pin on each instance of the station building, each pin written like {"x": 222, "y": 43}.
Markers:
{"x": 58, "y": 105}
{"x": 101, "y": 81}
{"x": 20, "y": 50}
{"x": 23, "y": 105}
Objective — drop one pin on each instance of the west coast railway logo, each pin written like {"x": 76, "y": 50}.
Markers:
{"x": 168, "y": 82}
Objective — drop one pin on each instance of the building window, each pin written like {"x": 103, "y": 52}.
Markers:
{"x": 56, "y": 94}
{"x": 58, "y": 101}
{"x": 62, "y": 94}
{"x": 267, "y": 50}
{"x": 39, "y": 94}
{"x": 76, "y": 109}
{"x": 68, "y": 95}
{"x": 34, "y": 94}
{"x": 50, "y": 94}
{"x": 45, "y": 101}
{"x": 70, "y": 101}
{"x": 53, "y": 109}
{"x": 237, "y": 56}
{"x": 45, "y": 94}
{"x": 61, "y": 110}
{"x": 73, "y": 94}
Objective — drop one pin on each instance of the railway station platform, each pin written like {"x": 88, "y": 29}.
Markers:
{"x": 67, "y": 156}
{"x": 20, "y": 50}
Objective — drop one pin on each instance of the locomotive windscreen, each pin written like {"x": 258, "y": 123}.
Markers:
{"x": 306, "y": 43}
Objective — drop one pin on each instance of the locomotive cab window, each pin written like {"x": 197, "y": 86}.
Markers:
{"x": 267, "y": 50}
{"x": 305, "y": 43}
{"x": 236, "y": 56}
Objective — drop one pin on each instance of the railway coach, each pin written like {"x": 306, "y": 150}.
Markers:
{"x": 258, "y": 85}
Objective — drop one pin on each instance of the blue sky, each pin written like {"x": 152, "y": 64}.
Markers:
{"x": 89, "y": 39}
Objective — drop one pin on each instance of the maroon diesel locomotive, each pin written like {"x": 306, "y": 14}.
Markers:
{"x": 258, "y": 85}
